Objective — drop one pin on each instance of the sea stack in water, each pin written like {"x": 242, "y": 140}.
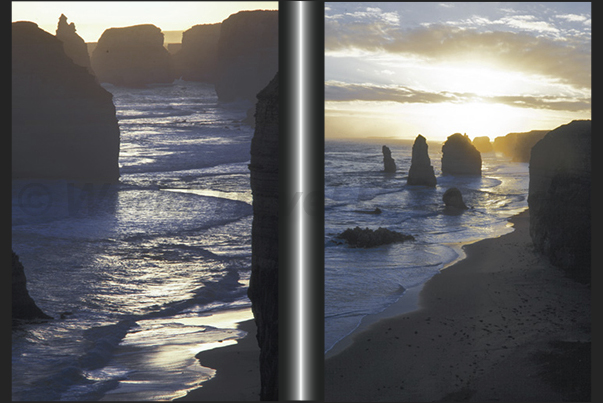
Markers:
{"x": 460, "y": 157}
{"x": 23, "y": 306}
{"x": 453, "y": 200}
{"x": 483, "y": 144}
{"x": 559, "y": 197}
{"x": 132, "y": 57}
{"x": 263, "y": 285}
{"x": 197, "y": 59}
{"x": 389, "y": 165}
{"x": 421, "y": 171}
{"x": 63, "y": 121}
{"x": 247, "y": 54}
{"x": 73, "y": 45}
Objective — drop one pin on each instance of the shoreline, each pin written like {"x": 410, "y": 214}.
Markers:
{"x": 492, "y": 326}
{"x": 237, "y": 368}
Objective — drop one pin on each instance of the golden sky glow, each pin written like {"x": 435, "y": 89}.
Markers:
{"x": 91, "y": 18}
{"x": 485, "y": 69}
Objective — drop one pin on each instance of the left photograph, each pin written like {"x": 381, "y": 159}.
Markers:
{"x": 145, "y": 141}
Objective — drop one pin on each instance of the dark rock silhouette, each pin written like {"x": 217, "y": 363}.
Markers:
{"x": 367, "y": 238}
{"x": 263, "y": 285}
{"x": 453, "y": 200}
{"x": 559, "y": 197}
{"x": 73, "y": 45}
{"x": 421, "y": 171}
{"x": 482, "y": 144}
{"x": 23, "y": 306}
{"x": 389, "y": 165}
{"x": 518, "y": 146}
{"x": 63, "y": 121}
{"x": 197, "y": 59}
{"x": 377, "y": 210}
{"x": 132, "y": 57}
{"x": 247, "y": 54}
{"x": 460, "y": 157}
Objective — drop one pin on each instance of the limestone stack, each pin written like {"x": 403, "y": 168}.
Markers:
{"x": 73, "y": 44}
{"x": 23, "y": 306}
{"x": 460, "y": 157}
{"x": 198, "y": 57}
{"x": 389, "y": 165}
{"x": 421, "y": 171}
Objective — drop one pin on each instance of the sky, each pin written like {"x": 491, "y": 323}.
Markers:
{"x": 91, "y": 18}
{"x": 485, "y": 69}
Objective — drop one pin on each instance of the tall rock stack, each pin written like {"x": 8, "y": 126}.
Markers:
{"x": 73, "y": 45}
{"x": 389, "y": 165}
{"x": 421, "y": 171}
{"x": 263, "y": 285}
{"x": 247, "y": 54}
{"x": 460, "y": 157}
{"x": 63, "y": 121}
{"x": 197, "y": 59}
{"x": 559, "y": 197}
{"x": 132, "y": 57}
{"x": 23, "y": 306}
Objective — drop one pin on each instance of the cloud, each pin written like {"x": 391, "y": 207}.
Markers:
{"x": 575, "y": 18}
{"x": 566, "y": 60}
{"x": 336, "y": 91}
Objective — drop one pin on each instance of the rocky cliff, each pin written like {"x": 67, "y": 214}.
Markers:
{"x": 389, "y": 165}
{"x": 23, "y": 306}
{"x": 73, "y": 45}
{"x": 460, "y": 157}
{"x": 132, "y": 57}
{"x": 483, "y": 144}
{"x": 197, "y": 58}
{"x": 518, "y": 146}
{"x": 263, "y": 285}
{"x": 421, "y": 171}
{"x": 559, "y": 197}
{"x": 63, "y": 121}
{"x": 247, "y": 54}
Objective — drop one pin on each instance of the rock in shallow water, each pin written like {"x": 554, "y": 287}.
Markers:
{"x": 367, "y": 238}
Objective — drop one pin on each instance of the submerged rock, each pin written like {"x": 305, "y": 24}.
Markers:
{"x": 460, "y": 157}
{"x": 421, "y": 171}
{"x": 389, "y": 165}
{"x": 23, "y": 306}
{"x": 63, "y": 121}
{"x": 453, "y": 199}
{"x": 263, "y": 284}
{"x": 560, "y": 197}
{"x": 367, "y": 238}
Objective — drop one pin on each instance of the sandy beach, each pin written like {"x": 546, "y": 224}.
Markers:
{"x": 500, "y": 325}
{"x": 237, "y": 371}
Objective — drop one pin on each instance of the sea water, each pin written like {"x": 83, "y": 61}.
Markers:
{"x": 363, "y": 282}
{"x": 140, "y": 275}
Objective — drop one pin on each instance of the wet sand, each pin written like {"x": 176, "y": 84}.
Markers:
{"x": 500, "y": 325}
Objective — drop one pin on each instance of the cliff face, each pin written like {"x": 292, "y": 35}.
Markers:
{"x": 247, "y": 54}
{"x": 198, "y": 56}
{"x": 460, "y": 157}
{"x": 132, "y": 57}
{"x": 63, "y": 121}
{"x": 23, "y": 306}
{"x": 421, "y": 171}
{"x": 559, "y": 197}
{"x": 518, "y": 146}
{"x": 263, "y": 286}
{"x": 73, "y": 45}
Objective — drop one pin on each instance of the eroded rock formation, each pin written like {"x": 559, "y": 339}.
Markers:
{"x": 483, "y": 144}
{"x": 367, "y": 238}
{"x": 73, "y": 45}
{"x": 559, "y": 197}
{"x": 132, "y": 57}
{"x": 247, "y": 54}
{"x": 63, "y": 121}
{"x": 389, "y": 165}
{"x": 453, "y": 200}
{"x": 518, "y": 146}
{"x": 421, "y": 171}
{"x": 198, "y": 56}
{"x": 460, "y": 157}
{"x": 23, "y": 306}
{"x": 263, "y": 285}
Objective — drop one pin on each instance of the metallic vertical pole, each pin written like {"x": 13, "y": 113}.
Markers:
{"x": 301, "y": 310}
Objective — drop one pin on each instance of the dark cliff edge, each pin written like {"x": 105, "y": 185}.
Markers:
{"x": 63, "y": 122}
{"x": 263, "y": 285}
{"x": 559, "y": 198}
{"x": 23, "y": 306}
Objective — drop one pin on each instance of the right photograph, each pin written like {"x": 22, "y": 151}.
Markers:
{"x": 457, "y": 201}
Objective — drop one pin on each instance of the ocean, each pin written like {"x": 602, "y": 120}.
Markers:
{"x": 143, "y": 274}
{"x": 361, "y": 283}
